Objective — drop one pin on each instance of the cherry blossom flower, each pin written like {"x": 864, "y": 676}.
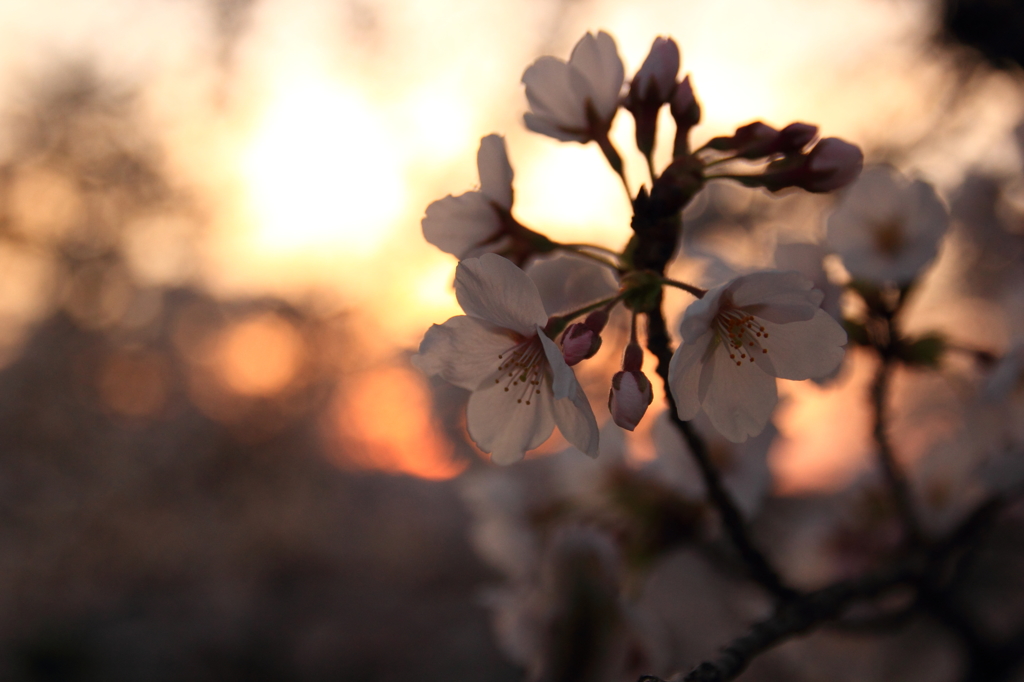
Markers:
{"x": 575, "y": 100}
{"x": 522, "y": 387}
{"x": 742, "y": 335}
{"x": 481, "y": 221}
{"x": 886, "y": 228}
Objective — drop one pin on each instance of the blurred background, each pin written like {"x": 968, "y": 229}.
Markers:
{"x": 215, "y": 459}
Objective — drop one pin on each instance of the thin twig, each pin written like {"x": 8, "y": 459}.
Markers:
{"x": 798, "y": 616}
{"x": 757, "y": 564}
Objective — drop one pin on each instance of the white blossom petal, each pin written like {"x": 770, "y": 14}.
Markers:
{"x": 547, "y": 127}
{"x": 505, "y": 428}
{"x": 740, "y": 400}
{"x": 887, "y": 228}
{"x": 550, "y": 96}
{"x": 495, "y": 171}
{"x": 463, "y": 351}
{"x": 597, "y": 60}
{"x": 569, "y": 282}
{"x": 700, "y": 315}
{"x": 492, "y": 288}
{"x": 562, "y": 377}
{"x": 575, "y": 419}
{"x": 806, "y": 350}
{"x": 777, "y": 296}
{"x": 458, "y": 225}
{"x": 684, "y": 374}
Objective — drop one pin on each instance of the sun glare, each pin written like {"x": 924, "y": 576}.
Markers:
{"x": 322, "y": 172}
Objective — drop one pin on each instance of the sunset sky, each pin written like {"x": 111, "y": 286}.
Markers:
{"x": 316, "y": 132}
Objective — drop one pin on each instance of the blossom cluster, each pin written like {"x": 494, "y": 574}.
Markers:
{"x": 573, "y": 536}
{"x": 736, "y": 339}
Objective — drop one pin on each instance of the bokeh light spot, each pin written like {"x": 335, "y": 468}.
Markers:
{"x": 386, "y": 415}
{"x": 259, "y": 356}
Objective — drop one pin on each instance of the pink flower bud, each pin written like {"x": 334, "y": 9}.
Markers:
{"x": 795, "y": 136}
{"x": 686, "y": 113}
{"x": 683, "y": 106}
{"x": 579, "y": 343}
{"x": 628, "y": 400}
{"x": 833, "y": 163}
{"x": 656, "y": 79}
{"x": 652, "y": 86}
{"x": 751, "y": 141}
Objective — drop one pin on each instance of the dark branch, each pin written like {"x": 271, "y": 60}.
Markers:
{"x": 659, "y": 343}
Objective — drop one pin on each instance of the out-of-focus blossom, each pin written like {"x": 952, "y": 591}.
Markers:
{"x": 481, "y": 221}
{"x": 739, "y": 337}
{"x": 568, "y": 282}
{"x": 743, "y": 467}
{"x": 653, "y": 86}
{"x": 575, "y": 100}
{"x": 831, "y": 165}
{"x": 571, "y": 621}
{"x": 522, "y": 387}
{"x": 631, "y": 391}
{"x": 887, "y": 228}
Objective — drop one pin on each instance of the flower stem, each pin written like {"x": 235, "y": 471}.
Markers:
{"x": 558, "y": 323}
{"x": 581, "y": 250}
{"x": 757, "y": 564}
{"x": 614, "y": 160}
{"x": 689, "y": 288}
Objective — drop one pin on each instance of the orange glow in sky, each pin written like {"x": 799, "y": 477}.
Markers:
{"x": 387, "y": 412}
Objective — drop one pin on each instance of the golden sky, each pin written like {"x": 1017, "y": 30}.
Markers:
{"x": 319, "y": 138}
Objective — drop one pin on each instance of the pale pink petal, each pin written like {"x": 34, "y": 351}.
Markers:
{"x": 805, "y": 350}
{"x": 463, "y": 351}
{"x": 562, "y": 377}
{"x": 771, "y": 288}
{"x": 506, "y": 428}
{"x": 741, "y": 399}
{"x": 575, "y": 419}
{"x": 495, "y": 171}
{"x": 700, "y": 315}
{"x": 550, "y": 95}
{"x": 547, "y": 127}
{"x": 569, "y": 282}
{"x": 492, "y": 288}
{"x": 684, "y": 374}
{"x": 597, "y": 59}
{"x": 458, "y": 225}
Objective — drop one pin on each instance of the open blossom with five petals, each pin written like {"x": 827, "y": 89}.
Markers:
{"x": 481, "y": 221}
{"x": 575, "y": 100}
{"x": 522, "y": 387}
{"x": 886, "y": 228}
{"x": 742, "y": 335}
